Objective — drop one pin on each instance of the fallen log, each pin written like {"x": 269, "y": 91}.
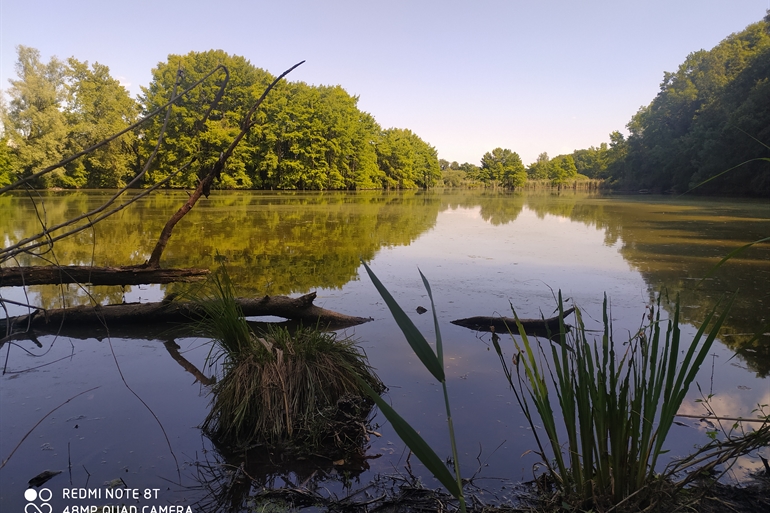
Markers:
{"x": 126, "y": 275}
{"x": 145, "y": 315}
{"x": 538, "y": 327}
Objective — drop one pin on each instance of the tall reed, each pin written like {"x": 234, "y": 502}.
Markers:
{"x": 617, "y": 403}
{"x": 434, "y": 363}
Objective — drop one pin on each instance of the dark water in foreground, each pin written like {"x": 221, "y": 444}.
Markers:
{"x": 480, "y": 251}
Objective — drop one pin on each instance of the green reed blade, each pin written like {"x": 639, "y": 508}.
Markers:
{"x": 413, "y": 336}
{"x": 415, "y": 442}
{"x": 439, "y": 344}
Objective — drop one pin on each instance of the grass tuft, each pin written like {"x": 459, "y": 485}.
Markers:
{"x": 297, "y": 389}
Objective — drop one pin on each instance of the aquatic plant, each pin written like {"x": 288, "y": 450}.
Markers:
{"x": 434, "y": 363}
{"x": 295, "y": 389}
{"x": 616, "y": 407}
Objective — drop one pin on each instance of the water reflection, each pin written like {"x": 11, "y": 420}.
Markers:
{"x": 282, "y": 243}
{"x": 480, "y": 250}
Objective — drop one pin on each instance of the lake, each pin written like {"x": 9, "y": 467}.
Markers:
{"x": 482, "y": 252}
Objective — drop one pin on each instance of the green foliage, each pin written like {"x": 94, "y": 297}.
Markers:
{"x": 561, "y": 169}
{"x": 503, "y": 167}
{"x": 187, "y": 136}
{"x": 617, "y": 408}
{"x": 708, "y": 117}
{"x": 307, "y": 137}
{"x": 434, "y": 363}
{"x": 59, "y": 109}
{"x": 453, "y": 178}
{"x": 8, "y": 165}
{"x": 222, "y": 320}
{"x": 99, "y": 107}
{"x": 592, "y": 162}
{"x": 33, "y": 121}
{"x": 406, "y": 160}
{"x": 539, "y": 170}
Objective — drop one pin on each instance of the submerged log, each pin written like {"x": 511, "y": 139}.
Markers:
{"x": 126, "y": 275}
{"x": 180, "y": 312}
{"x": 540, "y": 327}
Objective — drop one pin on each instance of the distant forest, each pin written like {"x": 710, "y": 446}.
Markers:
{"x": 708, "y": 128}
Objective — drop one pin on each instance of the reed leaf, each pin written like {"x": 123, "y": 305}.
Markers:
{"x": 416, "y": 443}
{"x": 616, "y": 409}
{"x": 434, "y": 362}
{"x": 413, "y": 336}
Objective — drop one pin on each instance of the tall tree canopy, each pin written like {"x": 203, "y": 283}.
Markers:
{"x": 59, "y": 109}
{"x": 98, "y": 107}
{"x": 34, "y": 122}
{"x": 711, "y": 115}
{"x": 305, "y": 136}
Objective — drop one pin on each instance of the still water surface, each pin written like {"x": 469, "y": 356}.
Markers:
{"x": 481, "y": 252}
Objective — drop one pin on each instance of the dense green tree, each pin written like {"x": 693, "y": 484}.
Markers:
{"x": 472, "y": 172}
{"x": 317, "y": 138}
{"x": 187, "y": 136}
{"x": 307, "y": 137}
{"x": 98, "y": 107}
{"x": 592, "y": 162}
{"x": 503, "y": 167}
{"x": 406, "y": 160}
{"x": 711, "y": 115}
{"x": 33, "y": 120}
{"x": 616, "y": 155}
{"x": 304, "y": 137}
{"x": 8, "y": 164}
{"x": 561, "y": 169}
{"x": 452, "y": 175}
{"x": 538, "y": 170}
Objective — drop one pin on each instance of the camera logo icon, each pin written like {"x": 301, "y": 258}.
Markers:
{"x": 38, "y": 501}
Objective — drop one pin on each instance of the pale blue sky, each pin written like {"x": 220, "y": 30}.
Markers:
{"x": 467, "y": 77}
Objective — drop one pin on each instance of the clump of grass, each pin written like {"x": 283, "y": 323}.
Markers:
{"x": 617, "y": 407}
{"x": 298, "y": 389}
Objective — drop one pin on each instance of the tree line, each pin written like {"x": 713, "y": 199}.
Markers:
{"x": 503, "y": 167}
{"x": 708, "y": 129}
{"x": 709, "y": 126}
{"x": 307, "y": 137}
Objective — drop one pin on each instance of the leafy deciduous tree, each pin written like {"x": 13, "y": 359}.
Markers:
{"x": 33, "y": 121}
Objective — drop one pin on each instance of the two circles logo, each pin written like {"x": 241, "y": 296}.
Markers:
{"x": 38, "y": 501}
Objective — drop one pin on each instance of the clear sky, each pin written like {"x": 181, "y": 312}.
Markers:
{"x": 466, "y": 76}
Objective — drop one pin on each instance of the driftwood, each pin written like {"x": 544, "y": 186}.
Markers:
{"x": 128, "y": 275}
{"x": 179, "y": 312}
{"x": 541, "y": 327}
